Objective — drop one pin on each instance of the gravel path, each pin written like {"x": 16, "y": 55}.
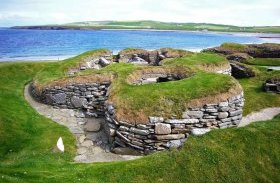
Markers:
{"x": 91, "y": 146}
{"x": 262, "y": 115}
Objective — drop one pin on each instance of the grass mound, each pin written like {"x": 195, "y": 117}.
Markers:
{"x": 234, "y": 47}
{"x": 135, "y": 104}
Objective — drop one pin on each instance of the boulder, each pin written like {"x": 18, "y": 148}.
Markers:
{"x": 103, "y": 62}
{"x": 241, "y": 71}
{"x": 162, "y": 129}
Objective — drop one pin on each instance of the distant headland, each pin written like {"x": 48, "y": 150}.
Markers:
{"x": 153, "y": 25}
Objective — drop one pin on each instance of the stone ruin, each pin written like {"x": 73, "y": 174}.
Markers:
{"x": 272, "y": 85}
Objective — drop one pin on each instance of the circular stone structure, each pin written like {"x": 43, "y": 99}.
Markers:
{"x": 186, "y": 96}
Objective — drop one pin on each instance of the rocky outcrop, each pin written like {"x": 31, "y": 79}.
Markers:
{"x": 160, "y": 134}
{"x": 93, "y": 62}
{"x": 238, "y": 57}
{"x": 241, "y": 71}
{"x": 272, "y": 85}
{"x": 140, "y": 56}
{"x": 265, "y": 50}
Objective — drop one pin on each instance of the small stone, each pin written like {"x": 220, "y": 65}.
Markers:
{"x": 82, "y": 138}
{"x": 222, "y": 115}
{"x": 78, "y": 102}
{"x": 87, "y": 143}
{"x": 193, "y": 114}
{"x": 223, "y": 104}
{"x": 156, "y": 119}
{"x": 235, "y": 113}
{"x": 170, "y": 137}
{"x": 200, "y": 131}
{"x": 182, "y": 121}
{"x": 162, "y": 129}
{"x": 140, "y": 132}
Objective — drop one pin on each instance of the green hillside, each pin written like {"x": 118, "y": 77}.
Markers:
{"x": 147, "y": 24}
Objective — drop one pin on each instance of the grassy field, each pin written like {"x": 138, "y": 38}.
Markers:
{"x": 27, "y": 140}
{"x": 147, "y": 24}
{"x": 264, "y": 61}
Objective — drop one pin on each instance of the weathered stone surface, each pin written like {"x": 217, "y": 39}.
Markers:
{"x": 170, "y": 137}
{"x": 125, "y": 151}
{"x": 78, "y": 102}
{"x": 175, "y": 143}
{"x": 82, "y": 150}
{"x": 162, "y": 129}
{"x": 235, "y": 113}
{"x": 183, "y": 121}
{"x": 156, "y": 119}
{"x": 200, "y": 131}
{"x": 241, "y": 70}
{"x": 272, "y": 85}
{"x": 140, "y": 132}
{"x": 59, "y": 98}
{"x": 92, "y": 126}
{"x": 87, "y": 143}
{"x": 193, "y": 114}
{"x": 222, "y": 115}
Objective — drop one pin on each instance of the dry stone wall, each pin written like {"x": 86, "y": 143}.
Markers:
{"x": 89, "y": 97}
{"x": 160, "y": 133}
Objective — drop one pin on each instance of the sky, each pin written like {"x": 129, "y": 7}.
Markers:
{"x": 233, "y": 12}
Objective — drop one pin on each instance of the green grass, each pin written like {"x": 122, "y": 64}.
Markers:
{"x": 234, "y": 46}
{"x": 255, "y": 98}
{"x": 264, "y": 61}
{"x": 249, "y": 154}
{"x": 57, "y": 70}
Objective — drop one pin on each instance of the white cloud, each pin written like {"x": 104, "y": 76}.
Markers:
{"x": 239, "y": 12}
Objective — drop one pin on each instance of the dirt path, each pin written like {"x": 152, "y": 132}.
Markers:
{"x": 91, "y": 146}
{"x": 262, "y": 115}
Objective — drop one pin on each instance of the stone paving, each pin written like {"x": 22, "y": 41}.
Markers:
{"x": 91, "y": 140}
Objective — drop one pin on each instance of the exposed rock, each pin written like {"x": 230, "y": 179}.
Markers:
{"x": 81, "y": 150}
{"x": 87, "y": 143}
{"x": 125, "y": 151}
{"x": 241, "y": 71}
{"x": 170, "y": 137}
{"x": 222, "y": 115}
{"x": 239, "y": 57}
{"x": 103, "y": 62}
{"x": 175, "y": 143}
{"x": 78, "y": 102}
{"x": 200, "y": 131}
{"x": 92, "y": 126}
{"x": 156, "y": 119}
{"x": 140, "y": 132}
{"x": 183, "y": 121}
{"x": 193, "y": 114}
{"x": 162, "y": 129}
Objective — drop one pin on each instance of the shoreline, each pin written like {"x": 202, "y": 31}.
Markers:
{"x": 163, "y": 30}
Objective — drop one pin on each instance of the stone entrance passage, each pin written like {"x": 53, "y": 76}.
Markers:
{"x": 91, "y": 139}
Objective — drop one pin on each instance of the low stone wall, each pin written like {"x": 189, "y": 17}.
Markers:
{"x": 160, "y": 133}
{"x": 90, "y": 97}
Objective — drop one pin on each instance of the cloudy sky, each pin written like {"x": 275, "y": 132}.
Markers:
{"x": 235, "y": 12}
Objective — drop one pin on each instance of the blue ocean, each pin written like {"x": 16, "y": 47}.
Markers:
{"x": 60, "y": 44}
